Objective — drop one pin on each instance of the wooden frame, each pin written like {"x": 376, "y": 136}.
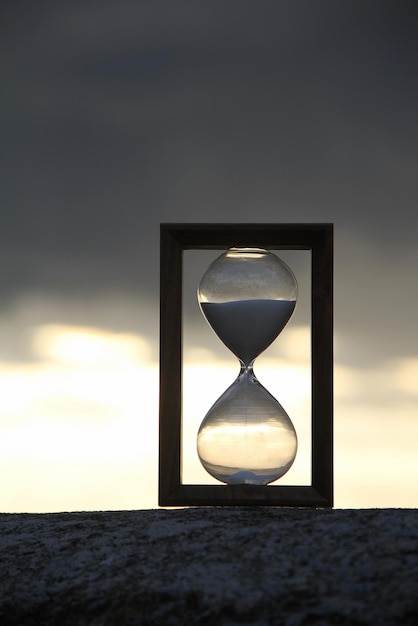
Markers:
{"x": 174, "y": 238}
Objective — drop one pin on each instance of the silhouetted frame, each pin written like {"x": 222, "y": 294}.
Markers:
{"x": 174, "y": 239}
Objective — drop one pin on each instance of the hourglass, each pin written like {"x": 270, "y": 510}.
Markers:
{"x": 247, "y": 440}
{"x": 247, "y": 296}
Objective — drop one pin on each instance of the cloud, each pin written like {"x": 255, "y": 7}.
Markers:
{"x": 86, "y": 346}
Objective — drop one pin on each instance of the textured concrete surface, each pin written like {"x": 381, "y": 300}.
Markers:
{"x": 211, "y": 566}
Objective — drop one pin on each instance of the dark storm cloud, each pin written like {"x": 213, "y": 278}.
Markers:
{"x": 120, "y": 115}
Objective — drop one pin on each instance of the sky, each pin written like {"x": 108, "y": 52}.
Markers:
{"x": 117, "y": 116}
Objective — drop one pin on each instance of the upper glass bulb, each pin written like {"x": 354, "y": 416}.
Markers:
{"x": 247, "y": 295}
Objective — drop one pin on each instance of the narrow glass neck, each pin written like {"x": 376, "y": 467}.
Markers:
{"x": 246, "y": 368}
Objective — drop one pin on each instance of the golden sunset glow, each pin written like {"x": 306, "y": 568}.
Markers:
{"x": 79, "y": 424}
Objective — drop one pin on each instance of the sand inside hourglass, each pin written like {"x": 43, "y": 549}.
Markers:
{"x": 248, "y": 327}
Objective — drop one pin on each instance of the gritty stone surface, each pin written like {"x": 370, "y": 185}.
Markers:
{"x": 216, "y": 566}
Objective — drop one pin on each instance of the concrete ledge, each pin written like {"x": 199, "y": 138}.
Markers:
{"x": 210, "y": 566}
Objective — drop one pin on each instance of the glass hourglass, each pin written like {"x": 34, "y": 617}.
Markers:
{"x": 247, "y": 296}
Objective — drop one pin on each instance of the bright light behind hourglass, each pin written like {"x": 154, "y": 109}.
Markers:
{"x": 227, "y": 444}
